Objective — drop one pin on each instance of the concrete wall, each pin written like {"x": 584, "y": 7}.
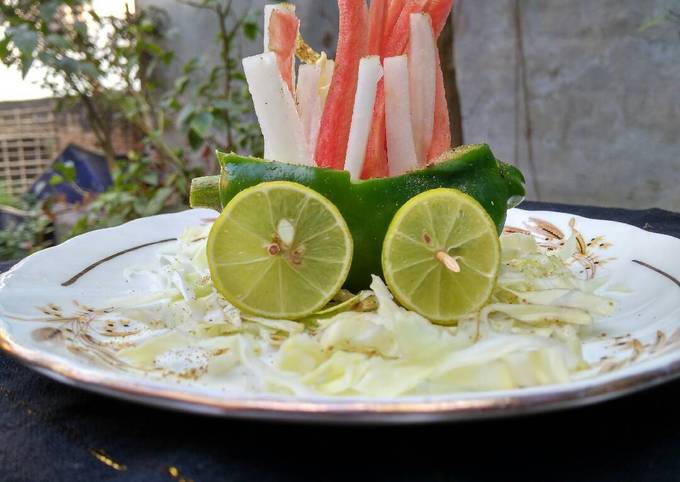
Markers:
{"x": 602, "y": 99}
{"x": 571, "y": 91}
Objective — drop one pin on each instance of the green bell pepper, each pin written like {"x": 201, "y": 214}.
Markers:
{"x": 369, "y": 206}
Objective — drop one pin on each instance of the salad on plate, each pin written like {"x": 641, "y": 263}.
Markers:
{"x": 363, "y": 256}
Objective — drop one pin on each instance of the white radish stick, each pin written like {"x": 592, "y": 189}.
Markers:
{"x": 370, "y": 73}
{"x": 312, "y": 90}
{"x": 401, "y": 149}
{"x": 309, "y": 102}
{"x": 422, "y": 68}
{"x": 284, "y": 137}
{"x": 327, "y": 70}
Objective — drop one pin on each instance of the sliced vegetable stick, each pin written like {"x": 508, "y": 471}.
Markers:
{"x": 422, "y": 68}
{"x": 337, "y": 115}
{"x": 275, "y": 108}
{"x": 282, "y": 29}
{"x": 376, "y": 26}
{"x": 441, "y": 135}
{"x": 268, "y": 10}
{"x": 370, "y": 73}
{"x": 397, "y": 39}
{"x": 327, "y": 71}
{"x": 312, "y": 89}
{"x": 439, "y": 11}
{"x": 309, "y": 102}
{"x": 393, "y": 11}
{"x": 401, "y": 150}
{"x": 375, "y": 163}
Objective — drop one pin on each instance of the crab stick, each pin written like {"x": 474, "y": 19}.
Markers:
{"x": 441, "y": 135}
{"x": 396, "y": 40}
{"x": 375, "y": 163}
{"x": 337, "y": 115}
{"x": 281, "y": 33}
{"x": 377, "y": 15}
{"x": 439, "y": 11}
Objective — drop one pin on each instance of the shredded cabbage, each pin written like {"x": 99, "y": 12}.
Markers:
{"x": 530, "y": 333}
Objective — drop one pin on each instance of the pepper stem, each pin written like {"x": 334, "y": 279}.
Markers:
{"x": 205, "y": 193}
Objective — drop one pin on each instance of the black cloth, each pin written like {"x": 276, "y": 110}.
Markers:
{"x": 53, "y": 432}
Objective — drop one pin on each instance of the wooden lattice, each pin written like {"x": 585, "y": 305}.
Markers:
{"x": 28, "y": 141}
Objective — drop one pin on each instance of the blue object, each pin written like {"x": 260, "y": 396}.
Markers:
{"x": 92, "y": 174}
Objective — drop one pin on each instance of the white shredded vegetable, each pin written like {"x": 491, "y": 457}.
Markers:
{"x": 528, "y": 334}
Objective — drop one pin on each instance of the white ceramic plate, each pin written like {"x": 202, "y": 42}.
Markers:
{"x": 636, "y": 348}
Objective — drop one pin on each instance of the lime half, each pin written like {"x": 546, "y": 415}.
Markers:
{"x": 441, "y": 255}
{"x": 279, "y": 250}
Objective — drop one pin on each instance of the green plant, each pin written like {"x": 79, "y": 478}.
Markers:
{"x": 111, "y": 66}
{"x": 27, "y": 228}
{"x": 211, "y": 103}
{"x": 104, "y": 63}
{"x": 6, "y": 198}
{"x": 140, "y": 188}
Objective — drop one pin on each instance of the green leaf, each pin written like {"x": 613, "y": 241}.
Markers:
{"x": 24, "y": 39}
{"x": 181, "y": 84}
{"x": 151, "y": 48}
{"x": 170, "y": 103}
{"x": 201, "y": 123}
{"x": 185, "y": 114}
{"x": 148, "y": 25}
{"x": 80, "y": 28}
{"x": 56, "y": 179}
{"x": 67, "y": 170}
{"x": 250, "y": 30}
{"x": 195, "y": 140}
{"x": 167, "y": 58}
{"x": 151, "y": 178}
{"x": 58, "y": 41}
{"x": 47, "y": 10}
{"x": 89, "y": 69}
{"x": 4, "y": 47}
{"x": 221, "y": 104}
{"x": 26, "y": 64}
{"x": 68, "y": 65}
{"x": 220, "y": 125}
{"x": 154, "y": 205}
{"x": 190, "y": 66}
